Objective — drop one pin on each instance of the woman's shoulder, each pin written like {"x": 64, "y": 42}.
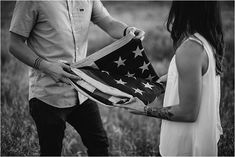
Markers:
{"x": 190, "y": 53}
{"x": 190, "y": 46}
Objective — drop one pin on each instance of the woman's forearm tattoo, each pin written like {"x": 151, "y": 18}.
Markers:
{"x": 163, "y": 113}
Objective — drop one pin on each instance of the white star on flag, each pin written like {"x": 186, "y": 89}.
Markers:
{"x": 120, "y": 62}
{"x": 137, "y": 52}
{"x": 150, "y": 77}
{"x": 144, "y": 67}
{"x": 137, "y": 90}
{"x": 117, "y": 73}
{"x": 120, "y": 82}
{"x": 147, "y": 85}
{"x": 129, "y": 74}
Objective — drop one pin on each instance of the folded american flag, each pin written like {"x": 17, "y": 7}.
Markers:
{"x": 117, "y": 73}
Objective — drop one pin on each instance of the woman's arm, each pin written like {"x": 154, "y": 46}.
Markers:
{"x": 189, "y": 61}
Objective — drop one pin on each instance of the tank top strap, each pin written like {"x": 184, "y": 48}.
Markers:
{"x": 205, "y": 44}
{"x": 202, "y": 41}
{"x": 193, "y": 38}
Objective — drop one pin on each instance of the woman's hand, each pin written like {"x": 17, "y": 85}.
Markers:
{"x": 135, "y": 104}
{"x": 162, "y": 79}
{"x": 59, "y": 71}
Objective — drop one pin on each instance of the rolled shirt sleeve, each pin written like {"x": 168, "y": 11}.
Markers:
{"x": 98, "y": 12}
{"x": 24, "y": 18}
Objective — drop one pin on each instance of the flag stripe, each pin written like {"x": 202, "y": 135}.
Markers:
{"x": 91, "y": 95}
{"x": 117, "y": 73}
{"x": 132, "y": 83}
{"x": 111, "y": 98}
{"x": 106, "y": 89}
{"x": 89, "y": 71}
{"x": 99, "y": 93}
{"x": 88, "y": 61}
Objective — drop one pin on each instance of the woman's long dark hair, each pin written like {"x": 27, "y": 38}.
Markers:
{"x": 188, "y": 17}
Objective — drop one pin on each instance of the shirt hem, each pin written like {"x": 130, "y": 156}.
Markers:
{"x": 51, "y": 104}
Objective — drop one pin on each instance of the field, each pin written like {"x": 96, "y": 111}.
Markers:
{"x": 129, "y": 135}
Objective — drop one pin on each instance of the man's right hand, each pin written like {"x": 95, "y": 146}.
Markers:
{"x": 58, "y": 71}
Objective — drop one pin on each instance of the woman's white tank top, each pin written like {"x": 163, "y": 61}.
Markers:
{"x": 200, "y": 137}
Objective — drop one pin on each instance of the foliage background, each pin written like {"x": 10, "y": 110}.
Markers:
{"x": 128, "y": 134}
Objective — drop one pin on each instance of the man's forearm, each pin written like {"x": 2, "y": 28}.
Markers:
{"x": 118, "y": 29}
{"x": 113, "y": 27}
{"x": 21, "y": 51}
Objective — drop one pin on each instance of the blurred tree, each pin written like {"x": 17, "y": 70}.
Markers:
{"x": 6, "y": 12}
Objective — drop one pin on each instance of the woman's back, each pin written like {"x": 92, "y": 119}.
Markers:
{"x": 200, "y": 137}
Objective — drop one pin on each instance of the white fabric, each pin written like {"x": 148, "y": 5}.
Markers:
{"x": 198, "y": 138}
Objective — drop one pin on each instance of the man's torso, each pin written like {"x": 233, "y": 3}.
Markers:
{"x": 55, "y": 30}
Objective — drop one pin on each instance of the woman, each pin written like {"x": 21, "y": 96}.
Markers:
{"x": 190, "y": 112}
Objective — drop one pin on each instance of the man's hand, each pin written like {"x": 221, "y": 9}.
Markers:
{"x": 139, "y": 34}
{"x": 59, "y": 71}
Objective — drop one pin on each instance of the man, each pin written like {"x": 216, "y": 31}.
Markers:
{"x": 42, "y": 34}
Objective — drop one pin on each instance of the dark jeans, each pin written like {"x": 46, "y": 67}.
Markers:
{"x": 85, "y": 118}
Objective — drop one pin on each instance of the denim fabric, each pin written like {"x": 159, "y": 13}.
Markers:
{"x": 85, "y": 118}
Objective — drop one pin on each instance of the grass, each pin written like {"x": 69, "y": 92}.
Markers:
{"x": 128, "y": 134}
